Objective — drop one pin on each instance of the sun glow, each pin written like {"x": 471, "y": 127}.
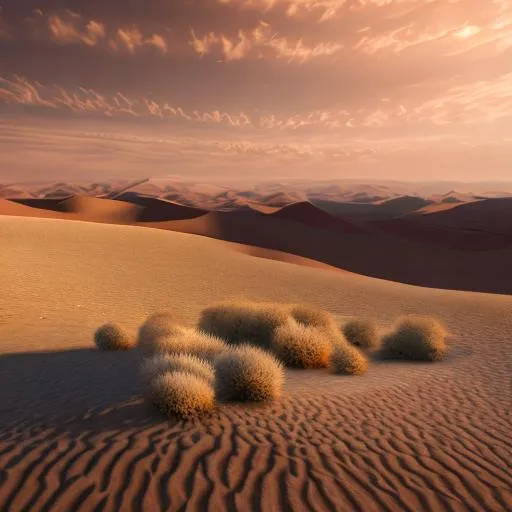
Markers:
{"x": 468, "y": 31}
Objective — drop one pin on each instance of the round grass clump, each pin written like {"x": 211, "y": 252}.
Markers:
{"x": 113, "y": 337}
{"x": 362, "y": 333}
{"x": 247, "y": 373}
{"x": 156, "y": 326}
{"x": 189, "y": 341}
{"x": 181, "y": 394}
{"x": 416, "y": 338}
{"x": 300, "y": 346}
{"x": 347, "y": 360}
{"x": 159, "y": 364}
{"x": 243, "y": 322}
{"x": 312, "y": 317}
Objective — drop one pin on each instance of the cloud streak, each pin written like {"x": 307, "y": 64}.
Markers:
{"x": 479, "y": 102}
{"x": 259, "y": 42}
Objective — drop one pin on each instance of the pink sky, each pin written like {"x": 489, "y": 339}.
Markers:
{"x": 391, "y": 89}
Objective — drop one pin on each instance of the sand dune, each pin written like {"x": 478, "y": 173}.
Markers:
{"x": 440, "y": 235}
{"x": 106, "y": 210}
{"x": 375, "y": 210}
{"x": 306, "y": 213}
{"x": 407, "y": 250}
{"x": 378, "y": 254}
{"x": 85, "y": 208}
{"x": 488, "y": 215}
{"x": 75, "y": 433}
{"x": 153, "y": 209}
{"x": 8, "y": 207}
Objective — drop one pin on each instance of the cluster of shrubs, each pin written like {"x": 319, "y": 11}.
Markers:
{"x": 239, "y": 350}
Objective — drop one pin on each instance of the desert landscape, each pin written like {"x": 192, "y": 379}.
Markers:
{"x": 256, "y": 255}
{"x": 78, "y": 434}
{"x": 450, "y": 240}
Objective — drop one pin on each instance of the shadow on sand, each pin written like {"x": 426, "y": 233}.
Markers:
{"x": 100, "y": 390}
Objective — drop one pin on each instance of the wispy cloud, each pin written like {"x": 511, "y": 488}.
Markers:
{"x": 473, "y": 103}
{"x": 71, "y": 28}
{"x": 258, "y": 42}
{"x": 67, "y": 27}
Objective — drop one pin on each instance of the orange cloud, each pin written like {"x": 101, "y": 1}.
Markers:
{"x": 71, "y": 28}
{"x": 131, "y": 38}
{"x": 257, "y": 42}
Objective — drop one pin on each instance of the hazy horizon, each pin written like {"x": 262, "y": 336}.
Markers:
{"x": 256, "y": 90}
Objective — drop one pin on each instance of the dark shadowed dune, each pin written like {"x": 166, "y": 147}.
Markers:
{"x": 488, "y": 215}
{"x": 307, "y": 213}
{"x": 402, "y": 205}
{"x": 19, "y": 208}
{"x": 388, "y": 209}
{"x": 153, "y": 209}
{"x": 53, "y": 204}
{"x": 423, "y": 233}
{"x": 377, "y": 255}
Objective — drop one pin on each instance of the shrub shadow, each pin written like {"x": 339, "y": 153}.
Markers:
{"x": 55, "y": 387}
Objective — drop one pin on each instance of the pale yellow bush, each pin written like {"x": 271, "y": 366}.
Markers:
{"x": 182, "y": 395}
{"x": 416, "y": 338}
{"x": 362, "y": 333}
{"x": 243, "y": 322}
{"x": 247, "y": 373}
{"x": 301, "y": 346}
{"x": 159, "y": 364}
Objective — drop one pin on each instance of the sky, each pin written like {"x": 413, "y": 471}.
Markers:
{"x": 258, "y": 89}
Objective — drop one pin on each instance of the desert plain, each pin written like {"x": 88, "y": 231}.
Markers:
{"x": 77, "y": 434}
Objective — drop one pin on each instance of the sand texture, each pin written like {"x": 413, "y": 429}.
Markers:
{"x": 76, "y": 433}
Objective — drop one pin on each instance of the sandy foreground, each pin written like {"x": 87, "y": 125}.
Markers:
{"x": 76, "y": 434}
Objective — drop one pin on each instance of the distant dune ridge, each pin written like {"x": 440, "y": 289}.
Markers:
{"x": 405, "y": 238}
{"x": 77, "y": 434}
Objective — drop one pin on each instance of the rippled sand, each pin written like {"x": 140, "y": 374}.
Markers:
{"x": 75, "y": 433}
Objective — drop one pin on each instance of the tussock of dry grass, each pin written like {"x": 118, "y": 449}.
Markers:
{"x": 158, "y": 325}
{"x": 189, "y": 341}
{"x": 301, "y": 346}
{"x": 247, "y": 373}
{"x": 416, "y": 338}
{"x": 243, "y": 322}
{"x": 347, "y": 360}
{"x": 159, "y": 364}
{"x": 113, "y": 337}
{"x": 362, "y": 333}
{"x": 312, "y": 317}
{"x": 181, "y": 394}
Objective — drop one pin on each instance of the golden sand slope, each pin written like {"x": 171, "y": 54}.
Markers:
{"x": 76, "y": 435}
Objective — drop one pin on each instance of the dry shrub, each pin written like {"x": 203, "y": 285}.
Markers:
{"x": 181, "y": 394}
{"x": 113, "y": 337}
{"x": 362, "y": 333}
{"x": 301, "y": 346}
{"x": 157, "y": 326}
{"x": 159, "y": 364}
{"x": 189, "y": 341}
{"x": 347, "y": 360}
{"x": 416, "y": 338}
{"x": 243, "y": 322}
{"x": 312, "y": 317}
{"x": 247, "y": 373}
